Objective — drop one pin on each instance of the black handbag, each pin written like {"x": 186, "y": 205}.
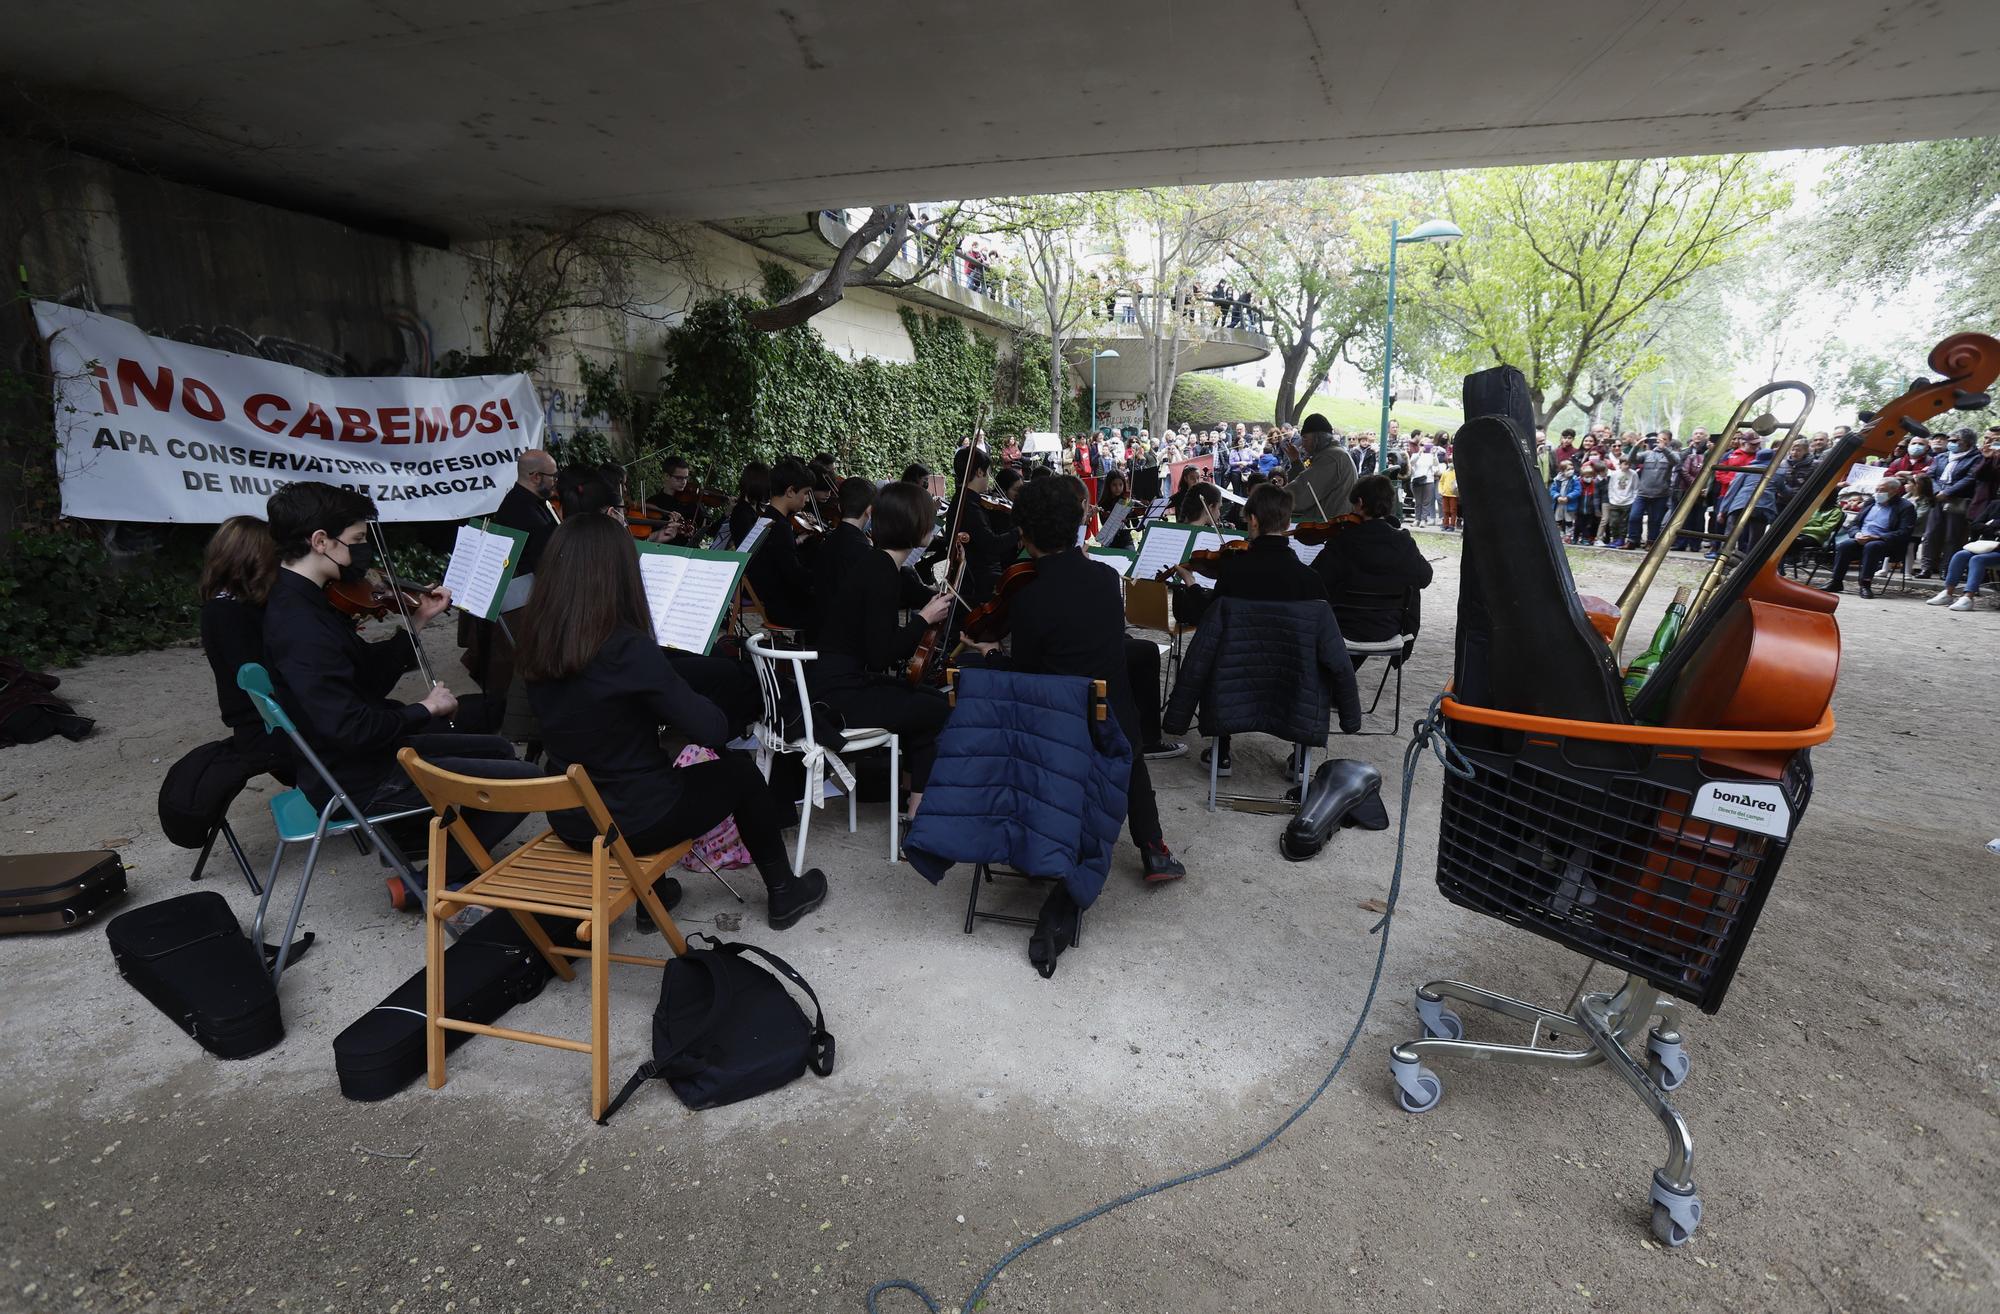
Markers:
{"x": 726, "y": 1029}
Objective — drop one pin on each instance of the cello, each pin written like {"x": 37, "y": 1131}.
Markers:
{"x": 1764, "y": 653}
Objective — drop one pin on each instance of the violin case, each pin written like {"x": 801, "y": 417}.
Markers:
{"x": 1343, "y": 792}
{"x": 490, "y": 968}
{"x": 56, "y": 891}
{"x": 189, "y": 956}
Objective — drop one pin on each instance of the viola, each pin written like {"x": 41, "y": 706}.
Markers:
{"x": 989, "y": 621}
{"x": 368, "y": 600}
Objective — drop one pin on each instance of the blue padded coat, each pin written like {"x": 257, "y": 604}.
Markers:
{"x": 1024, "y": 777}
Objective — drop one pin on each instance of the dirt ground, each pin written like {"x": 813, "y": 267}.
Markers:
{"x": 1843, "y": 1102}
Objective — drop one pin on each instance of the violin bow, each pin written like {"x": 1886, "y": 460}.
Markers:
{"x": 396, "y": 592}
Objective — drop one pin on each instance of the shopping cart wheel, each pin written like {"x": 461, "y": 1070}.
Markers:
{"x": 1417, "y": 1088}
{"x": 1675, "y": 1213}
{"x": 1669, "y": 1062}
{"x": 1439, "y": 1021}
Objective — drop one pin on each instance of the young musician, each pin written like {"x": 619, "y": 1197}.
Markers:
{"x": 236, "y": 576}
{"x": 1376, "y": 556}
{"x": 1114, "y": 495}
{"x": 1070, "y": 620}
{"x": 862, "y": 646}
{"x": 1265, "y": 571}
{"x": 753, "y": 490}
{"x": 990, "y": 550}
{"x": 602, "y": 690}
{"x": 336, "y": 685}
{"x": 777, "y": 572}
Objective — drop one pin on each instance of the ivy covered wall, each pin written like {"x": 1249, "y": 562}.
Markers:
{"x": 731, "y": 393}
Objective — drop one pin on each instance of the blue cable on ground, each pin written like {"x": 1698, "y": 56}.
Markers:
{"x": 1427, "y": 733}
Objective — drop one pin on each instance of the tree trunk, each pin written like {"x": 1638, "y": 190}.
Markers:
{"x": 825, "y": 289}
{"x": 1058, "y": 370}
{"x": 1292, "y": 359}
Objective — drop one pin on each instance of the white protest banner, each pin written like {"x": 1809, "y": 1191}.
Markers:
{"x": 154, "y": 430}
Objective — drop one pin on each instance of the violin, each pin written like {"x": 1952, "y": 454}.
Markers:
{"x": 368, "y": 600}
{"x": 1208, "y": 561}
{"x": 1312, "y": 532}
{"x": 995, "y": 504}
{"x": 923, "y": 667}
{"x": 989, "y": 621}
{"x": 807, "y": 527}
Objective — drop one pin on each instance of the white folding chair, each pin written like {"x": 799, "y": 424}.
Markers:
{"x": 1395, "y": 651}
{"x": 769, "y": 663}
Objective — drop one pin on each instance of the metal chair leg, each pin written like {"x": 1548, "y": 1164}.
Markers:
{"x": 264, "y": 899}
{"x": 895, "y": 797}
{"x": 236, "y": 849}
{"x": 298, "y": 908}
{"x": 207, "y": 844}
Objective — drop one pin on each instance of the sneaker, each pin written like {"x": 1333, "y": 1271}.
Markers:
{"x": 1831, "y": 588}
{"x": 1161, "y": 865}
{"x": 1938, "y": 599}
{"x": 1963, "y": 604}
{"x": 794, "y": 897}
{"x": 1866, "y": 591}
{"x": 1708, "y": 556}
{"x": 1166, "y": 748}
{"x": 1223, "y": 767}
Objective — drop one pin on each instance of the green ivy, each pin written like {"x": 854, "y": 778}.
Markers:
{"x": 63, "y": 599}
{"x": 733, "y": 393}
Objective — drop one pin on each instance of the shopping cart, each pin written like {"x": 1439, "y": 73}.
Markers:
{"x": 1650, "y": 849}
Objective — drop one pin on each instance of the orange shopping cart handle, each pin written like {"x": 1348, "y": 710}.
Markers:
{"x": 1660, "y": 736}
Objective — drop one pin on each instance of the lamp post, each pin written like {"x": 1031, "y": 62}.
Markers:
{"x": 1095, "y": 356}
{"x": 1438, "y": 231}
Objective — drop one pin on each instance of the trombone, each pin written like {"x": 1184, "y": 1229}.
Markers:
{"x": 1725, "y": 555}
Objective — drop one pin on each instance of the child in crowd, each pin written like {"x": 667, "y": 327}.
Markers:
{"x": 1563, "y": 492}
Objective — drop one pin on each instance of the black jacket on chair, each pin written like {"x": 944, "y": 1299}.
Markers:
{"x": 1377, "y": 557}
{"x": 1266, "y": 668}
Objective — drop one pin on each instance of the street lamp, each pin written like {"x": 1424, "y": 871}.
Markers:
{"x": 1106, "y": 354}
{"x": 1438, "y": 231}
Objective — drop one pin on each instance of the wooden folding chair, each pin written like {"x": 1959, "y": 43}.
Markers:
{"x": 544, "y": 877}
{"x": 1149, "y": 606}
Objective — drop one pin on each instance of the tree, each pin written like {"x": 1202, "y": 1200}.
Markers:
{"x": 1174, "y": 237}
{"x": 1568, "y": 267}
{"x": 925, "y": 241}
{"x": 1052, "y": 235}
{"x": 1888, "y": 216}
{"x": 1304, "y": 258}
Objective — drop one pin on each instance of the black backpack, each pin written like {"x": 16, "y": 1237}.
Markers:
{"x": 199, "y": 788}
{"x": 726, "y": 1029}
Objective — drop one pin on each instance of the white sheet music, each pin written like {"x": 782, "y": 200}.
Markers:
{"x": 1163, "y": 546}
{"x": 755, "y": 535}
{"x": 478, "y": 562}
{"x": 1113, "y": 522}
{"x": 1304, "y": 552}
{"x": 1208, "y": 540}
{"x": 1118, "y": 561}
{"x": 687, "y": 596}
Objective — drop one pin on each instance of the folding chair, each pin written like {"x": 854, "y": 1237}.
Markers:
{"x": 543, "y": 878}
{"x": 298, "y": 823}
{"x": 228, "y": 834}
{"x": 772, "y": 741}
{"x": 1149, "y": 607}
{"x": 1397, "y": 649}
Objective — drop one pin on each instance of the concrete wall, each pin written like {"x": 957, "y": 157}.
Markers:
{"x": 202, "y": 267}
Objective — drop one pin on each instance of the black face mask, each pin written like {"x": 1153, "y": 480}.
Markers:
{"x": 360, "y": 556}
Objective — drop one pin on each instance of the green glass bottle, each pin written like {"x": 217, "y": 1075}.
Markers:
{"x": 1641, "y": 669}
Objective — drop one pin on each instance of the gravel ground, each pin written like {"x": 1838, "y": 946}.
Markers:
{"x": 1843, "y": 1102}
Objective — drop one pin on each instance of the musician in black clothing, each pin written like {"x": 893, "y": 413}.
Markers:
{"x": 526, "y": 506}
{"x": 1266, "y": 570}
{"x": 777, "y": 572}
{"x": 861, "y": 644}
{"x": 1377, "y": 556}
{"x": 236, "y": 576}
{"x": 336, "y": 686}
{"x": 753, "y": 490}
{"x": 602, "y": 690}
{"x": 1070, "y": 620}
{"x": 990, "y": 550}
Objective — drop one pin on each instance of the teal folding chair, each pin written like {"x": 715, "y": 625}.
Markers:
{"x": 299, "y": 823}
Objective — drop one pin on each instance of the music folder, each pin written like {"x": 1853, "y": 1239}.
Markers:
{"x": 481, "y": 572}
{"x": 689, "y": 592}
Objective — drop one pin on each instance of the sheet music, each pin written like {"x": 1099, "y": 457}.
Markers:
{"x": 688, "y": 595}
{"x": 1209, "y": 540}
{"x": 1113, "y": 522}
{"x": 478, "y": 569}
{"x": 1227, "y": 495}
{"x": 1163, "y": 546}
{"x": 755, "y": 536}
{"x": 1118, "y": 561}
{"x": 1305, "y": 552}
{"x": 1157, "y": 508}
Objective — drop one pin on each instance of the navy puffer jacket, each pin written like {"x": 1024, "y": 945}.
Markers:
{"x": 1265, "y": 668}
{"x": 1027, "y": 777}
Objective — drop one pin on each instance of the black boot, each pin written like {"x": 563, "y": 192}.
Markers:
{"x": 794, "y": 897}
{"x": 1055, "y": 930}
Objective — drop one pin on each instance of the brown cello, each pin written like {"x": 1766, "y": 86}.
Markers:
{"x": 1764, "y": 654}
